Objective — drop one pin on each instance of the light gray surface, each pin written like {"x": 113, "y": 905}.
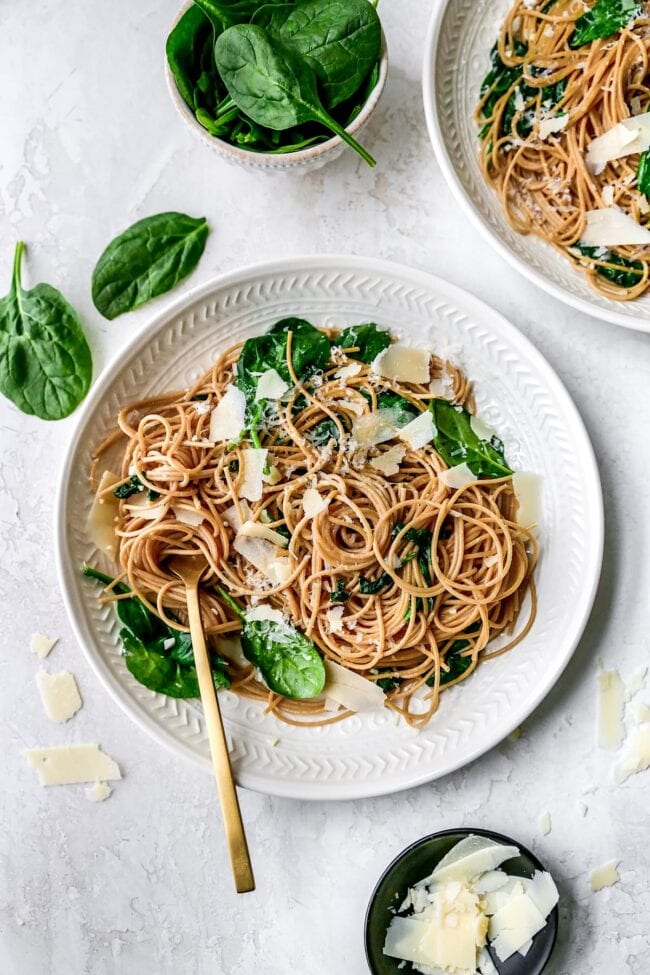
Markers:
{"x": 140, "y": 884}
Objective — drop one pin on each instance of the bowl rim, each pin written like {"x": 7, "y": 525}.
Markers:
{"x": 271, "y": 160}
{"x": 431, "y": 54}
{"x": 467, "y": 831}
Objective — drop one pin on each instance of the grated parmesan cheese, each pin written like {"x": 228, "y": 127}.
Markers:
{"x": 626, "y": 138}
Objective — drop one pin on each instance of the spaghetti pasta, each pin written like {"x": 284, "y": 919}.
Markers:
{"x": 393, "y": 576}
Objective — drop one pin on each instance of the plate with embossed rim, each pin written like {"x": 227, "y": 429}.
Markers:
{"x": 516, "y": 391}
{"x": 456, "y": 59}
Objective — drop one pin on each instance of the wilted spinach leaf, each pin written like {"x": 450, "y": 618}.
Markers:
{"x": 339, "y": 594}
{"x": 602, "y": 20}
{"x": 370, "y": 587}
{"x": 456, "y": 663}
{"x": 643, "y": 173}
{"x": 146, "y": 260}
{"x": 625, "y": 273}
{"x": 45, "y": 361}
{"x": 132, "y": 486}
{"x": 368, "y": 339}
{"x": 457, "y": 443}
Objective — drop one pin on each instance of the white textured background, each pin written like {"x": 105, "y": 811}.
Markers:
{"x": 140, "y": 885}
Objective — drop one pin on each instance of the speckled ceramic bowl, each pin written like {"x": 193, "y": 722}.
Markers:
{"x": 416, "y": 862}
{"x": 302, "y": 161}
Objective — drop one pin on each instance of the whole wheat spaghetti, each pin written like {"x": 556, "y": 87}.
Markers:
{"x": 396, "y": 577}
{"x": 546, "y": 99}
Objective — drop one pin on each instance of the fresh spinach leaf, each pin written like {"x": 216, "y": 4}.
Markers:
{"x": 368, "y": 339}
{"x": 457, "y": 443}
{"x": 602, "y": 20}
{"x": 130, "y": 487}
{"x": 643, "y": 173}
{"x": 146, "y": 260}
{"x": 272, "y": 85}
{"x": 224, "y": 13}
{"x": 499, "y": 79}
{"x": 624, "y": 273}
{"x": 370, "y": 587}
{"x": 388, "y": 683}
{"x": 455, "y": 661}
{"x": 339, "y": 39}
{"x": 289, "y": 663}
{"x": 339, "y": 594}
{"x": 183, "y": 49}
{"x": 164, "y": 673}
{"x": 45, "y": 360}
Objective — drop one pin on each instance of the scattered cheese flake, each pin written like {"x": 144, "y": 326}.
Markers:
{"x": 611, "y": 695}
{"x": 98, "y": 792}
{"x": 187, "y": 515}
{"x": 545, "y": 824}
{"x": 626, "y": 138}
{"x": 635, "y": 683}
{"x": 41, "y": 644}
{"x": 419, "y": 431}
{"x": 374, "y": 428}
{"x": 490, "y": 561}
{"x": 636, "y": 756}
{"x": 552, "y": 125}
{"x": 611, "y": 227}
{"x": 347, "y": 372}
{"x": 528, "y": 491}
{"x": 482, "y": 429}
{"x": 59, "y": 694}
{"x": 67, "y": 764}
{"x": 608, "y": 195}
{"x": 255, "y": 529}
{"x": 457, "y": 477}
{"x": 103, "y": 512}
{"x": 169, "y": 643}
{"x": 313, "y": 502}
{"x": 253, "y": 463}
{"x": 388, "y": 462}
{"x": 270, "y": 385}
{"x": 229, "y": 416}
{"x": 604, "y": 876}
{"x": 334, "y": 619}
{"x": 351, "y": 690}
{"x": 403, "y": 364}
{"x": 514, "y": 925}
{"x": 639, "y": 712}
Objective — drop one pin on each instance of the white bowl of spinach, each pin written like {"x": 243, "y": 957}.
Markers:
{"x": 277, "y": 86}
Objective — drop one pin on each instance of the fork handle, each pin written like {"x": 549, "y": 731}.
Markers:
{"x": 235, "y": 836}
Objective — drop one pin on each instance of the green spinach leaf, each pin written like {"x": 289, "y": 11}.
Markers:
{"x": 272, "y": 85}
{"x": 643, "y": 173}
{"x": 457, "y": 443}
{"x": 45, "y": 360}
{"x": 339, "y": 594}
{"x": 624, "y": 273}
{"x": 325, "y": 431}
{"x": 183, "y": 49}
{"x": 339, "y": 39}
{"x": 605, "y": 18}
{"x": 130, "y": 487}
{"x": 147, "y": 260}
{"x": 370, "y": 587}
{"x": 457, "y": 664}
{"x": 368, "y": 339}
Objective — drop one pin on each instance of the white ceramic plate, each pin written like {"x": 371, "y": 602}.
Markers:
{"x": 456, "y": 59}
{"x": 516, "y": 391}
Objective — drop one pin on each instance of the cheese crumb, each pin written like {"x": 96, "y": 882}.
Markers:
{"x": 41, "y": 644}
{"x": 636, "y": 755}
{"x": 98, "y": 792}
{"x": 334, "y": 619}
{"x": 545, "y": 824}
{"x": 604, "y": 876}
{"x": 59, "y": 694}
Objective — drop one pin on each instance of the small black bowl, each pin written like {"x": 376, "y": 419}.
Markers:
{"x": 416, "y": 862}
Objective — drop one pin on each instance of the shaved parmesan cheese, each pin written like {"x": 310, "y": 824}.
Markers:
{"x": 253, "y": 463}
{"x": 388, "y": 462}
{"x": 347, "y": 372}
{"x": 313, "y": 503}
{"x": 233, "y": 517}
{"x": 542, "y": 891}
{"x": 334, "y": 619}
{"x": 451, "y": 943}
{"x": 103, "y": 512}
{"x": 489, "y": 881}
{"x": 545, "y": 824}
{"x": 611, "y": 697}
{"x": 604, "y": 876}
{"x": 59, "y": 694}
{"x": 514, "y": 925}
{"x": 419, "y": 431}
{"x": 270, "y": 385}
{"x": 626, "y": 138}
{"x": 635, "y": 683}
{"x": 374, "y": 428}
{"x": 608, "y": 196}
{"x": 403, "y": 940}
{"x": 636, "y": 756}
{"x": 639, "y": 713}
{"x": 400, "y": 363}
{"x": 552, "y": 125}
{"x": 41, "y": 644}
{"x": 263, "y": 556}
{"x": 141, "y": 507}
{"x": 528, "y": 491}
{"x": 457, "y": 477}
{"x": 611, "y": 227}
{"x": 255, "y": 529}
{"x": 482, "y": 429}
{"x": 351, "y": 690}
{"x": 265, "y": 612}
{"x": 472, "y": 856}
{"x": 642, "y": 203}
{"x": 187, "y": 515}
{"x": 229, "y": 416}
{"x": 485, "y": 963}
{"x": 66, "y": 764}
{"x": 98, "y": 792}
